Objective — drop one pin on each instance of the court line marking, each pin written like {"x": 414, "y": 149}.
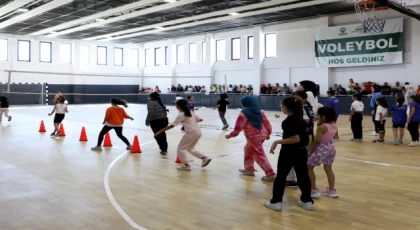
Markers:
{"x": 111, "y": 196}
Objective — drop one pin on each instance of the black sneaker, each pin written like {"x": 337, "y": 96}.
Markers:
{"x": 378, "y": 141}
{"x": 291, "y": 184}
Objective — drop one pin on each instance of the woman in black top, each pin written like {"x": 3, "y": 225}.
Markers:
{"x": 221, "y": 107}
{"x": 4, "y": 108}
{"x": 293, "y": 153}
{"x": 157, "y": 119}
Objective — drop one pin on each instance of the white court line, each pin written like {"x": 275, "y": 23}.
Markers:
{"x": 111, "y": 196}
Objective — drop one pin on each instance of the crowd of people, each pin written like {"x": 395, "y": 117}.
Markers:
{"x": 366, "y": 88}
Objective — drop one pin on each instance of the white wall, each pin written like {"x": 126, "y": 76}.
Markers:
{"x": 295, "y": 59}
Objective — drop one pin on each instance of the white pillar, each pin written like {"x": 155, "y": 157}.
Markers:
{"x": 259, "y": 55}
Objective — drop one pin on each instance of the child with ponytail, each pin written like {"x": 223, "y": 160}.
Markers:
{"x": 114, "y": 119}
{"x": 157, "y": 119}
{"x": 192, "y": 135}
{"x": 293, "y": 153}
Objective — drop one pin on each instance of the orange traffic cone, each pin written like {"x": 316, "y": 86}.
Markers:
{"x": 83, "y": 136}
{"x": 42, "y": 127}
{"x": 107, "y": 142}
{"x": 177, "y": 160}
{"x": 136, "y": 145}
{"x": 62, "y": 133}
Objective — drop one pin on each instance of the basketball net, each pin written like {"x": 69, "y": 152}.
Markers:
{"x": 372, "y": 15}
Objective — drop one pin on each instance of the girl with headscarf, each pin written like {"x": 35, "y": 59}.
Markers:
{"x": 257, "y": 129}
{"x": 309, "y": 87}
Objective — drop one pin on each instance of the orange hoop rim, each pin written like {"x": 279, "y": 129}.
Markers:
{"x": 362, "y": 6}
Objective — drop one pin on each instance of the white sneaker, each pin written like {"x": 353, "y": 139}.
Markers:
{"x": 246, "y": 173}
{"x": 413, "y": 144}
{"x": 269, "y": 178}
{"x": 184, "y": 167}
{"x": 96, "y": 148}
{"x": 275, "y": 207}
{"x": 206, "y": 161}
{"x": 374, "y": 134}
{"x": 308, "y": 206}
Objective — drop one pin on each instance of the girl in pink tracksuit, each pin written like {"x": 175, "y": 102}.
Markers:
{"x": 257, "y": 129}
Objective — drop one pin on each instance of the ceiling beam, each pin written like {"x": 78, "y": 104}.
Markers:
{"x": 13, "y": 6}
{"x": 96, "y": 16}
{"x": 248, "y": 14}
{"x": 126, "y": 16}
{"x": 37, "y": 11}
{"x": 202, "y": 16}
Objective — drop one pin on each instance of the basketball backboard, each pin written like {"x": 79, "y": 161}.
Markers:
{"x": 413, "y": 5}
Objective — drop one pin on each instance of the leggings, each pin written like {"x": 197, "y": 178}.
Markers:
{"x": 118, "y": 130}
{"x": 157, "y": 125}
{"x": 222, "y": 117}
{"x": 413, "y": 128}
{"x": 356, "y": 125}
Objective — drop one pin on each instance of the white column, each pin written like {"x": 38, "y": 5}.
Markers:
{"x": 210, "y": 54}
{"x": 259, "y": 55}
{"x": 172, "y": 61}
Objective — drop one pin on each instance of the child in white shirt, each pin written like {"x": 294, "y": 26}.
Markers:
{"x": 380, "y": 118}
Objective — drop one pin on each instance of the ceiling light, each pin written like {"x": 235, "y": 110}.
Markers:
{"x": 170, "y": 1}
{"x": 22, "y": 10}
{"x": 233, "y": 14}
{"x": 53, "y": 34}
{"x": 99, "y": 20}
{"x": 159, "y": 28}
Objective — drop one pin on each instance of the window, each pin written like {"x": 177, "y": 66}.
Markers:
{"x": 65, "y": 53}
{"x": 158, "y": 56}
{"x": 270, "y": 45}
{"x": 250, "y": 47}
{"x": 179, "y": 54}
{"x": 220, "y": 50}
{"x": 85, "y": 55}
{"x": 118, "y": 56}
{"x": 193, "y": 53}
{"x": 4, "y": 50}
{"x": 166, "y": 55}
{"x": 102, "y": 55}
{"x": 133, "y": 57}
{"x": 45, "y": 52}
{"x": 24, "y": 50}
{"x": 203, "y": 52}
{"x": 148, "y": 57}
{"x": 236, "y": 49}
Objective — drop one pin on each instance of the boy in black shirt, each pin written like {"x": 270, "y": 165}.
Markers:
{"x": 221, "y": 107}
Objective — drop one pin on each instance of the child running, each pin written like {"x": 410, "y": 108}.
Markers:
{"x": 333, "y": 102}
{"x": 4, "y": 108}
{"x": 222, "y": 107}
{"x": 60, "y": 110}
{"x": 293, "y": 153}
{"x": 399, "y": 119}
{"x": 191, "y": 105}
{"x": 257, "y": 129}
{"x": 380, "y": 118}
{"x": 356, "y": 117}
{"x": 414, "y": 120}
{"x": 323, "y": 151}
{"x": 114, "y": 119}
{"x": 192, "y": 135}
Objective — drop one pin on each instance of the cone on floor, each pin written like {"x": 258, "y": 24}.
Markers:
{"x": 62, "y": 132}
{"x": 107, "y": 142}
{"x": 177, "y": 160}
{"x": 83, "y": 136}
{"x": 136, "y": 145}
{"x": 42, "y": 127}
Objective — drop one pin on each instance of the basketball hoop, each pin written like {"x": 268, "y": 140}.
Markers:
{"x": 372, "y": 15}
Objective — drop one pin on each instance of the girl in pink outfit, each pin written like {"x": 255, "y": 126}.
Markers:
{"x": 192, "y": 135}
{"x": 323, "y": 151}
{"x": 257, "y": 129}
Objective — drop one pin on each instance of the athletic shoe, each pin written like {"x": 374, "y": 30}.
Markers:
{"x": 330, "y": 192}
{"x": 291, "y": 184}
{"x": 10, "y": 118}
{"x": 308, "y": 206}
{"x": 315, "y": 193}
{"x": 246, "y": 173}
{"x": 395, "y": 142}
{"x": 96, "y": 148}
{"x": 374, "y": 134}
{"x": 413, "y": 144}
{"x": 275, "y": 207}
{"x": 269, "y": 178}
{"x": 52, "y": 134}
{"x": 336, "y": 138}
{"x": 225, "y": 127}
{"x": 163, "y": 153}
{"x": 378, "y": 141}
{"x": 130, "y": 147}
{"x": 206, "y": 161}
{"x": 400, "y": 142}
{"x": 57, "y": 134}
{"x": 184, "y": 167}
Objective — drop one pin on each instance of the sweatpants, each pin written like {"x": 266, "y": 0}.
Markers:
{"x": 156, "y": 126}
{"x": 356, "y": 125}
{"x": 289, "y": 158}
{"x": 413, "y": 128}
{"x": 292, "y": 174}
{"x": 187, "y": 144}
{"x": 222, "y": 117}
{"x": 254, "y": 152}
{"x": 4, "y": 111}
{"x": 118, "y": 130}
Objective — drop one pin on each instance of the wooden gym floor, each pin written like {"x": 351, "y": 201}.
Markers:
{"x": 58, "y": 183}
